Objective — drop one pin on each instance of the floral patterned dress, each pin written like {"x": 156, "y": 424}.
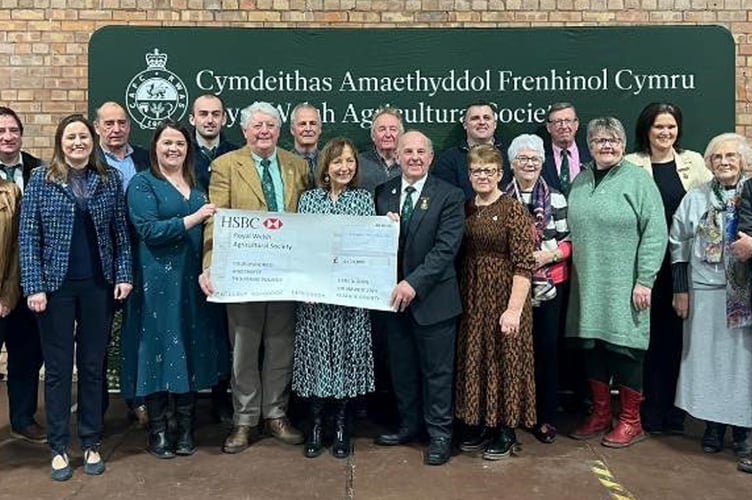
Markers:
{"x": 333, "y": 356}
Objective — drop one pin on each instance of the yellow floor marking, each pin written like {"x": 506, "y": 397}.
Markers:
{"x": 617, "y": 491}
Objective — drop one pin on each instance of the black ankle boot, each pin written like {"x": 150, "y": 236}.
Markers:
{"x": 474, "y": 438}
{"x": 712, "y": 439}
{"x": 502, "y": 445}
{"x": 158, "y": 444}
{"x": 313, "y": 445}
{"x": 185, "y": 410}
{"x": 341, "y": 446}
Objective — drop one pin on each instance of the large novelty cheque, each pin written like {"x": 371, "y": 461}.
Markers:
{"x": 342, "y": 260}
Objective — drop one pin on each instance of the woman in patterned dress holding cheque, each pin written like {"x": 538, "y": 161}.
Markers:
{"x": 333, "y": 357}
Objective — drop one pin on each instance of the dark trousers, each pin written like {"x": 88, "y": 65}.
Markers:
{"x": 663, "y": 358}
{"x": 546, "y": 327}
{"x": 421, "y": 360}
{"x": 86, "y": 307}
{"x": 19, "y": 332}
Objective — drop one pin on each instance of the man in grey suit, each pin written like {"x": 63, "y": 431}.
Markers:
{"x": 421, "y": 333}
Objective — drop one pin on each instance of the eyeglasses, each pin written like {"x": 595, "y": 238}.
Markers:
{"x": 602, "y": 141}
{"x": 729, "y": 157}
{"x": 486, "y": 172}
{"x": 562, "y": 121}
{"x": 533, "y": 160}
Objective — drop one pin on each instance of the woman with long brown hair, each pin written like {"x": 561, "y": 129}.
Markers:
{"x": 168, "y": 318}
{"x": 75, "y": 259}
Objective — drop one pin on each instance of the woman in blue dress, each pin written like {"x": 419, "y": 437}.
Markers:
{"x": 169, "y": 318}
{"x": 333, "y": 357}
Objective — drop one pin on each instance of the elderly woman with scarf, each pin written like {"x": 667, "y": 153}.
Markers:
{"x": 548, "y": 208}
{"x": 712, "y": 291}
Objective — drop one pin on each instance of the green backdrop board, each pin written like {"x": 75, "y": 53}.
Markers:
{"x": 431, "y": 74}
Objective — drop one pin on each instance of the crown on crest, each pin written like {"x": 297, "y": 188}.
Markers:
{"x": 156, "y": 59}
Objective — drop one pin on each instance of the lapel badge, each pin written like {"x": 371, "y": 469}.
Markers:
{"x": 424, "y": 203}
{"x": 394, "y": 191}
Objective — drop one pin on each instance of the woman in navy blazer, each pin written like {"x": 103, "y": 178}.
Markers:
{"x": 75, "y": 258}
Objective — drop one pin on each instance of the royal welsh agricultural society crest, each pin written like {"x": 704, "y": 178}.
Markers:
{"x": 156, "y": 93}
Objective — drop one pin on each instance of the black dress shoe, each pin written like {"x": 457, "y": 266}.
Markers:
{"x": 403, "y": 436}
{"x": 439, "y": 451}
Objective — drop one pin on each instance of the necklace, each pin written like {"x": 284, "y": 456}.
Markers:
{"x": 481, "y": 208}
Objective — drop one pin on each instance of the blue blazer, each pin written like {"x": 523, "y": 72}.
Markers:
{"x": 549, "y": 173}
{"x": 47, "y": 215}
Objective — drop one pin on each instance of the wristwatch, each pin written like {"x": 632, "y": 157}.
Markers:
{"x": 556, "y": 256}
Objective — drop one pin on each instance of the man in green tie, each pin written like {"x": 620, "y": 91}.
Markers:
{"x": 426, "y": 300}
{"x": 258, "y": 176}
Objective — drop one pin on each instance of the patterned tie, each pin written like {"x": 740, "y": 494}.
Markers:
{"x": 407, "y": 206}
{"x": 268, "y": 186}
{"x": 10, "y": 171}
{"x": 311, "y": 159}
{"x": 564, "y": 180}
{"x": 208, "y": 152}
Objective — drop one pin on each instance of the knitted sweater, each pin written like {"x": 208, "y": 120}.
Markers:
{"x": 619, "y": 236}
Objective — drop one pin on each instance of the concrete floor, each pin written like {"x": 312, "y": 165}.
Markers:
{"x": 662, "y": 468}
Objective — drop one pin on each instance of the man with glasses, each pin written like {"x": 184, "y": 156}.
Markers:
{"x": 479, "y": 123}
{"x": 564, "y": 158}
{"x": 19, "y": 328}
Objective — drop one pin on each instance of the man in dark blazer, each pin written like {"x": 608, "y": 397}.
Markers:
{"x": 19, "y": 329}
{"x": 114, "y": 130}
{"x": 479, "y": 122}
{"x": 208, "y": 117}
{"x": 421, "y": 333}
{"x": 564, "y": 157}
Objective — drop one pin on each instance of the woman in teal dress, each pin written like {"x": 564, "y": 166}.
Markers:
{"x": 168, "y": 318}
{"x": 333, "y": 358}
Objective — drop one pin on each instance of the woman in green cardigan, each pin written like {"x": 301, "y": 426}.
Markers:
{"x": 619, "y": 237}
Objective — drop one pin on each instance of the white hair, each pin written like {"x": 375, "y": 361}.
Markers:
{"x": 259, "y": 107}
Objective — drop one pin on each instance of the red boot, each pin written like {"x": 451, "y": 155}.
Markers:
{"x": 600, "y": 420}
{"x": 629, "y": 429}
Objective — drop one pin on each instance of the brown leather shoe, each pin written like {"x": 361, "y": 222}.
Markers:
{"x": 239, "y": 439}
{"x": 282, "y": 429}
{"x": 33, "y": 433}
{"x": 142, "y": 416}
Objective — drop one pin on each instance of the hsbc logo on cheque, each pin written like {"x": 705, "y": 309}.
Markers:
{"x": 272, "y": 223}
